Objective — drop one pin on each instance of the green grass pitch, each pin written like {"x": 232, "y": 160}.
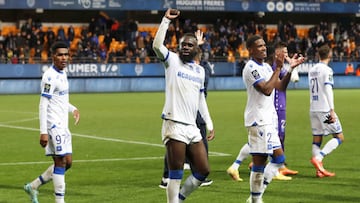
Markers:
{"x": 117, "y": 150}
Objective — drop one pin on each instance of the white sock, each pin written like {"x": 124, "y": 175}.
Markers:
{"x": 190, "y": 184}
{"x": 59, "y": 184}
{"x": 165, "y": 180}
{"x": 256, "y": 184}
{"x": 45, "y": 177}
{"x": 330, "y": 146}
{"x": 282, "y": 166}
{"x": 59, "y": 200}
{"x": 172, "y": 190}
{"x": 315, "y": 150}
{"x": 271, "y": 170}
{"x": 243, "y": 154}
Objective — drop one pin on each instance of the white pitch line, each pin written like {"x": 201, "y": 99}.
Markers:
{"x": 22, "y": 120}
{"x": 83, "y": 161}
{"x": 19, "y": 112}
{"x": 105, "y": 139}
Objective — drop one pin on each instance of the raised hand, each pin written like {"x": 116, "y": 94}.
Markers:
{"x": 172, "y": 13}
{"x": 296, "y": 60}
{"x": 200, "y": 37}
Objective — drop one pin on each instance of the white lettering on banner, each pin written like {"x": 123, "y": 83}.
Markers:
{"x": 189, "y": 3}
{"x": 92, "y": 70}
{"x": 114, "y": 3}
{"x": 213, "y": 3}
{"x": 208, "y": 5}
{"x": 85, "y": 68}
{"x": 306, "y": 7}
{"x": 63, "y": 3}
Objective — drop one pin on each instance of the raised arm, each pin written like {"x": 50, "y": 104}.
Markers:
{"x": 158, "y": 45}
{"x": 294, "y": 62}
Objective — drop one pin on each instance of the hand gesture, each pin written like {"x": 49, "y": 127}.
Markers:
{"x": 172, "y": 13}
{"x": 200, "y": 37}
{"x": 279, "y": 60}
{"x": 296, "y": 60}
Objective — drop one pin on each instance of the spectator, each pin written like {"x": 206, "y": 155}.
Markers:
{"x": 71, "y": 33}
{"x": 61, "y": 34}
{"x": 358, "y": 70}
{"x": 223, "y": 36}
{"x": 349, "y": 70}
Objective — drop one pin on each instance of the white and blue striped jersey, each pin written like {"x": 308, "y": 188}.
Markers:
{"x": 259, "y": 108}
{"x": 54, "y": 107}
{"x": 320, "y": 78}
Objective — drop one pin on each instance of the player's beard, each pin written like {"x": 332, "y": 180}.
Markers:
{"x": 188, "y": 57}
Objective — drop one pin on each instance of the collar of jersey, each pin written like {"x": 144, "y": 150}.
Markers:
{"x": 56, "y": 69}
{"x": 260, "y": 64}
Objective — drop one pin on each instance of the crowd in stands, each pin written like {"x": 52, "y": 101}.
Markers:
{"x": 108, "y": 40}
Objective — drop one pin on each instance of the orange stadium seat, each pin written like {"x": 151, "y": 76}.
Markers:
{"x": 271, "y": 33}
{"x": 101, "y": 38}
{"x": 9, "y": 29}
{"x": 44, "y": 56}
{"x": 77, "y": 31}
{"x": 302, "y": 32}
{"x": 74, "y": 44}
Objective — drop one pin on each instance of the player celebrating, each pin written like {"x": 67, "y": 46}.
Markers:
{"x": 324, "y": 120}
{"x": 184, "y": 97}
{"x": 260, "y": 115}
{"x": 54, "y": 132}
{"x": 278, "y": 51}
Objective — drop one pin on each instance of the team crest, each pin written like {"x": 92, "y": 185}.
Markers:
{"x": 255, "y": 74}
{"x": 47, "y": 88}
{"x": 330, "y": 78}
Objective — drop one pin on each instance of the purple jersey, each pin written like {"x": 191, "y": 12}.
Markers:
{"x": 280, "y": 106}
{"x": 280, "y": 96}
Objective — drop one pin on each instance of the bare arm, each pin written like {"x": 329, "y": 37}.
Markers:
{"x": 267, "y": 87}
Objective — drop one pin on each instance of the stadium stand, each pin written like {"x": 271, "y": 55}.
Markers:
{"x": 130, "y": 41}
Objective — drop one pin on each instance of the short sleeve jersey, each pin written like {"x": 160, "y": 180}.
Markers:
{"x": 319, "y": 76}
{"x": 259, "y": 108}
{"x": 184, "y": 84}
{"x": 55, "y": 87}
